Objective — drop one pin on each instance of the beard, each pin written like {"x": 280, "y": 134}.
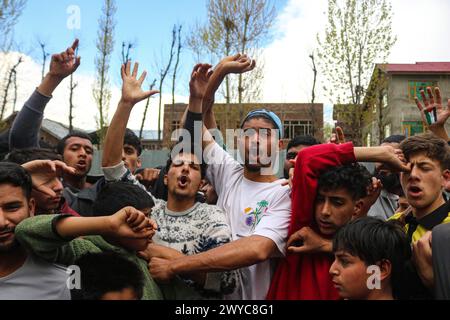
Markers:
{"x": 8, "y": 245}
{"x": 391, "y": 182}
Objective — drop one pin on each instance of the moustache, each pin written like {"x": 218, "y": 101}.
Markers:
{"x": 6, "y": 230}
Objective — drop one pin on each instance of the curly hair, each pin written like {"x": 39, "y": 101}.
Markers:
{"x": 355, "y": 178}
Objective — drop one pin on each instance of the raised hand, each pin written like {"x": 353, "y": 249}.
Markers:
{"x": 338, "y": 137}
{"x": 131, "y": 223}
{"x": 148, "y": 177}
{"x": 237, "y": 64}
{"x": 431, "y": 103}
{"x": 199, "y": 80}
{"x": 373, "y": 192}
{"x": 65, "y": 63}
{"x": 43, "y": 172}
{"x": 395, "y": 160}
{"x": 132, "y": 92}
{"x": 433, "y": 114}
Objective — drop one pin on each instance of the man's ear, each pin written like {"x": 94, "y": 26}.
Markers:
{"x": 385, "y": 269}
{"x": 446, "y": 176}
{"x": 32, "y": 206}
{"x": 138, "y": 163}
{"x": 202, "y": 184}
{"x": 358, "y": 211}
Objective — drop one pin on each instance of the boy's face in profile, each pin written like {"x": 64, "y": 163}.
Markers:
{"x": 349, "y": 275}
{"x": 423, "y": 185}
{"x": 334, "y": 209}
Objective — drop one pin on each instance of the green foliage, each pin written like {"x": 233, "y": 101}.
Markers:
{"x": 234, "y": 26}
{"x": 358, "y": 35}
{"x": 105, "y": 47}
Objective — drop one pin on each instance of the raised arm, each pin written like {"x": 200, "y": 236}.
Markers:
{"x": 25, "y": 129}
{"x": 132, "y": 93}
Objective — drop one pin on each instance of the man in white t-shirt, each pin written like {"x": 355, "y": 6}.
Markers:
{"x": 257, "y": 205}
{"x": 24, "y": 276}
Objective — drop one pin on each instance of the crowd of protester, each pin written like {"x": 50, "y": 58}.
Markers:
{"x": 208, "y": 226}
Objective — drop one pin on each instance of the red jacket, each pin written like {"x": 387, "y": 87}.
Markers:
{"x": 66, "y": 209}
{"x": 306, "y": 276}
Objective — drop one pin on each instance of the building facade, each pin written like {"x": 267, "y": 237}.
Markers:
{"x": 297, "y": 118}
{"x": 389, "y": 106}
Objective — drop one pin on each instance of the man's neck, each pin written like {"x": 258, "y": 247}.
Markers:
{"x": 419, "y": 213}
{"x": 75, "y": 181}
{"x": 12, "y": 261}
{"x": 177, "y": 204}
{"x": 256, "y": 176}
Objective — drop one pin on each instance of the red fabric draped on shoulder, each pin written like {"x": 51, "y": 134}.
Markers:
{"x": 306, "y": 277}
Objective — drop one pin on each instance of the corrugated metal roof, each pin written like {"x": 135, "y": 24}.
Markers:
{"x": 57, "y": 129}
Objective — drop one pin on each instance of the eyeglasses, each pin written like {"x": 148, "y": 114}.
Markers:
{"x": 291, "y": 155}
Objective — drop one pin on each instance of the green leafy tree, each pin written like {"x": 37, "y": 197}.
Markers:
{"x": 358, "y": 35}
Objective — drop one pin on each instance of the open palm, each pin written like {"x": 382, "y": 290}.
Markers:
{"x": 132, "y": 86}
{"x": 433, "y": 101}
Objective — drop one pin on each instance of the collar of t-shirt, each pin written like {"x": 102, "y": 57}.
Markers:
{"x": 433, "y": 219}
{"x": 181, "y": 213}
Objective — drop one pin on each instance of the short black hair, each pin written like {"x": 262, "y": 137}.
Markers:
{"x": 374, "y": 240}
{"x": 132, "y": 139}
{"x": 21, "y": 156}
{"x": 62, "y": 143}
{"x": 355, "y": 178}
{"x": 16, "y": 175}
{"x": 203, "y": 165}
{"x": 396, "y": 138}
{"x": 106, "y": 272}
{"x": 302, "y": 141}
{"x": 115, "y": 196}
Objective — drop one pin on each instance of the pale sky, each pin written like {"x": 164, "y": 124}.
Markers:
{"x": 422, "y": 28}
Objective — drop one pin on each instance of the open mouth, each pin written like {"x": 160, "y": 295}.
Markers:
{"x": 183, "y": 181}
{"x": 81, "y": 165}
{"x": 414, "y": 191}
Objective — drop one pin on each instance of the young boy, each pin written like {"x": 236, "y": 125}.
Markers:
{"x": 429, "y": 158}
{"x": 108, "y": 276}
{"x": 323, "y": 200}
{"x": 370, "y": 257}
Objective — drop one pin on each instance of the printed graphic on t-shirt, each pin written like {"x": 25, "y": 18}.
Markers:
{"x": 254, "y": 216}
